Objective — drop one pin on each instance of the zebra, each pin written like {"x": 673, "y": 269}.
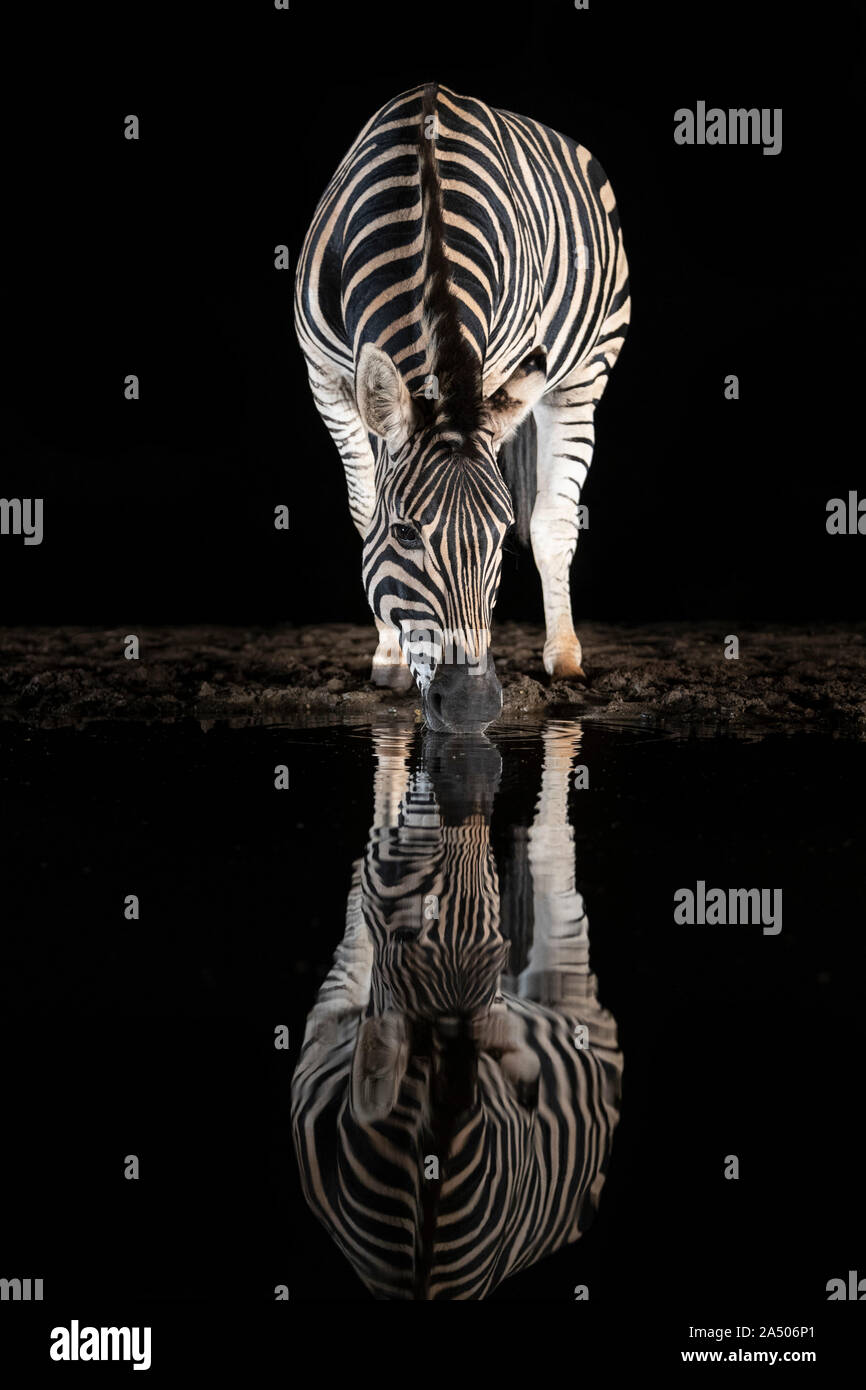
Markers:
{"x": 421, "y": 1045}
{"x": 460, "y": 299}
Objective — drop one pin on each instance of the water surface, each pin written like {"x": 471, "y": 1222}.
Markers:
{"x": 511, "y": 996}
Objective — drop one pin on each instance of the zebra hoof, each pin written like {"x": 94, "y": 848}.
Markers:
{"x": 563, "y": 663}
{"x": 391, "y": 676}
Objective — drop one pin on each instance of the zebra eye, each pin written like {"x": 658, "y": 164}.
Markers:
{"x": 407, "y": 535}
{"x": 403, "y": 935}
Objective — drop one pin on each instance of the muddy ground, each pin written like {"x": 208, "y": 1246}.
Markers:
{"x": 784, "y": 676}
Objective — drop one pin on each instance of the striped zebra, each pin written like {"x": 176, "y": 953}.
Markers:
{"x": 421, "y": 1047}
{"x": 462, "y": 286}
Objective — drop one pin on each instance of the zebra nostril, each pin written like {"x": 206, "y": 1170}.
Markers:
{"x": 449, "y": 1026}
{"x": 434, "y": 700}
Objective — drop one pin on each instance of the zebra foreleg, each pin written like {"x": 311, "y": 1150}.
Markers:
{"x": 566, "y": 436}
{"x": 557, "y": 972}
{"x": 335, "y": 401}
{"x": 389, "y": 664}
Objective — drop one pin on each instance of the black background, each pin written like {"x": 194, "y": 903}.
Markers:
{"x": 156, "y": 257}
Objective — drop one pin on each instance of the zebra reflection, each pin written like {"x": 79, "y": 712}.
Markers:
{"x": 452, "y": 1121}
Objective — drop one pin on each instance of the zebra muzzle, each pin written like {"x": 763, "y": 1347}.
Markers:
{"x": 460, "y": 700}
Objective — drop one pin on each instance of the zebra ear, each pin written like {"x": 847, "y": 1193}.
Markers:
{"x": 516, "y": 396}
{"x": 504, "y": 1037}
{"x": 523, "y": 1069}
{"x": 378, "y": 1066}
{"x": 386, "y": 406}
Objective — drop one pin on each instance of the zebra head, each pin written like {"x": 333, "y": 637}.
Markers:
{"x": 433, "y": 550}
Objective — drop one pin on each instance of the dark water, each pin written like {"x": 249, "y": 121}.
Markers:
{"x": 555, "y": 905}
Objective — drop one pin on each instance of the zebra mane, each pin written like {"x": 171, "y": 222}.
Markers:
{"x": 459, "y": 405}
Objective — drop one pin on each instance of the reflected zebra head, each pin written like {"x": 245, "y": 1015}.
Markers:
{"x": 430, "y": 902}
{"x": 433, "y": 551}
